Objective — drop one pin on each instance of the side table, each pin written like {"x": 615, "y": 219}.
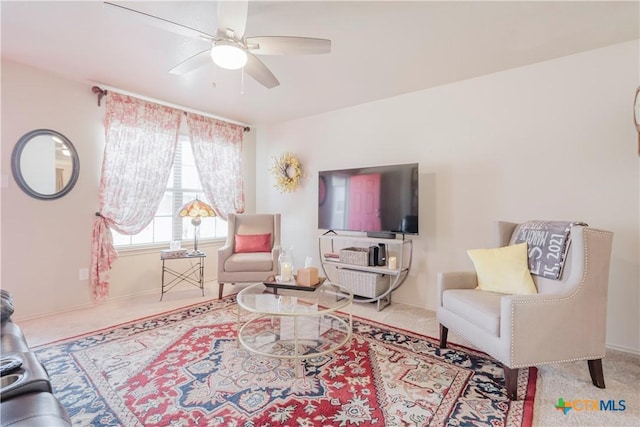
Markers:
{"x": 193, "y": 275}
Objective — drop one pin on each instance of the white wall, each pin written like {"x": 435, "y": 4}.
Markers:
{"x": 46, "y": 243}
{"x": 475, "y": 141}
{"x": 554, "y": 140}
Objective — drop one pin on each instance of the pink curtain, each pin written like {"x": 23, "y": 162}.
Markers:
{"x": 217, "y": 149}
{"x": 141, "y": 139}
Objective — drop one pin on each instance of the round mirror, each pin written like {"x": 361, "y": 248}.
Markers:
{"x": 45, "y": 164}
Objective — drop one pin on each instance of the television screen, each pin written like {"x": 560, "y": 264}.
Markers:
{"x": 378, "y": 199}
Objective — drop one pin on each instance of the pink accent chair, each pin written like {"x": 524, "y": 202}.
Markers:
{"x": 248, "y": 267}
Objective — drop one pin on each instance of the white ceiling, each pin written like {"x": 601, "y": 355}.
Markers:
{"x": 379, "y": 49}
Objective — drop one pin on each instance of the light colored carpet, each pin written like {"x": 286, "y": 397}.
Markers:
{"x": 571, "y": 381}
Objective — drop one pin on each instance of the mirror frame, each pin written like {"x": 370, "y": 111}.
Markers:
{"x": 17, "y": 173}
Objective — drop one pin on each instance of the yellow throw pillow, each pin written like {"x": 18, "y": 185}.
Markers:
{"x": 503, "y": 270}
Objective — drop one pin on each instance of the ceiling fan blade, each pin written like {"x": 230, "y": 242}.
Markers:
{"x": 158, "y": 22}
{"x": 283, "y": 45}
{"x": 256, "y": 69}
{"x": 194, "y": 62}
{"x": 232, "y": 15}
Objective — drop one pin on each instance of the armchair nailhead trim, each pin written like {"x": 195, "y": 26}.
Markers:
{"x": 601, "y": 356}
{"x": 572, "y": 295}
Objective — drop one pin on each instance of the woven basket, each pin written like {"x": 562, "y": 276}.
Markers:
{"x": 355, "y": 256}
{"x": 363, "y": 283}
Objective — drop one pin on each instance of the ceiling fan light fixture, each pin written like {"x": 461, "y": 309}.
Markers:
{"x": 228, "y": 55}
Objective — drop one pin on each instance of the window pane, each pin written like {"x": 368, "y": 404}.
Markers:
{"x": 171, "y": 178}
{"x": 207, "y": 228}
{"x": 221, "y": 228}
{"x": 190, "y": 195}
{"x": 187, "y": 153}
{"x": 145, "y": 236}
{"x": 120, "y": 239}
{"x": 166, "y": 205}
{"x": 167, "y": 225}
{"x": 162, "y": 229}
{"x": 190, "y": 178}
{"x": 187, "y": 229}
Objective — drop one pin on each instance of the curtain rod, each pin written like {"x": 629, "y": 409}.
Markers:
{"x": 98, "y": 90}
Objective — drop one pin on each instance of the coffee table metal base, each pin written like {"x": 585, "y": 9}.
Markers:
{"x": 296, "y": 325}
{"x": 295, "y": 337}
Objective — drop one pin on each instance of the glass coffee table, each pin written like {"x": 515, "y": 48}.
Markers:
{"x": 295, "y": 324}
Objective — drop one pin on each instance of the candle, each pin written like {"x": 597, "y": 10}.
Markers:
{"x": 393, "y": 262}
{"x": 286, "y": 268}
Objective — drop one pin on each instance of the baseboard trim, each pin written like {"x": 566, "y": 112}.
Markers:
{"x": 634, "y": 351}
{"x": 17, "y": 319}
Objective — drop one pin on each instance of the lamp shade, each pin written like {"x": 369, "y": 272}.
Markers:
{"x": 196, "y": 209}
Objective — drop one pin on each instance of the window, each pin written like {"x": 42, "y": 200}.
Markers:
{"x": 183, "y": 186}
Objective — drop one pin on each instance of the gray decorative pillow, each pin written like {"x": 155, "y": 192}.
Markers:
{"x": 548, "y": 244}
{"x": 6, "y": 305}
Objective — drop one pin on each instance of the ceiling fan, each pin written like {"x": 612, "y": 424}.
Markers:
{"x": 230, "y": 49}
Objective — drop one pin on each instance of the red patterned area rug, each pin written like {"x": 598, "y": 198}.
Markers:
{"x": 185, "y": 368}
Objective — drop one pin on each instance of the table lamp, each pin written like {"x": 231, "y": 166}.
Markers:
{"x": 195, "y": 210}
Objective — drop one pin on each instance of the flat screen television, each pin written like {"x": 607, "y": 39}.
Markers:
{"x": 378, "y": 200}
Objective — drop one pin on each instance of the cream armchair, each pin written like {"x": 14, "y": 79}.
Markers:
{"x": 565, "y": 321}
{"x": 237, "y": 263}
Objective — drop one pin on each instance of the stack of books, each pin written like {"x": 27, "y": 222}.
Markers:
{"x": 331, "y": 257}
{"x": 173, "y": 253}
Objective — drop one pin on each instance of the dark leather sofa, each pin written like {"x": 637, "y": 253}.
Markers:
{"x": 26, "y": 398}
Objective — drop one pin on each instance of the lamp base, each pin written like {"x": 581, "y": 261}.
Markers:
{"x": 196, "y": 231}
